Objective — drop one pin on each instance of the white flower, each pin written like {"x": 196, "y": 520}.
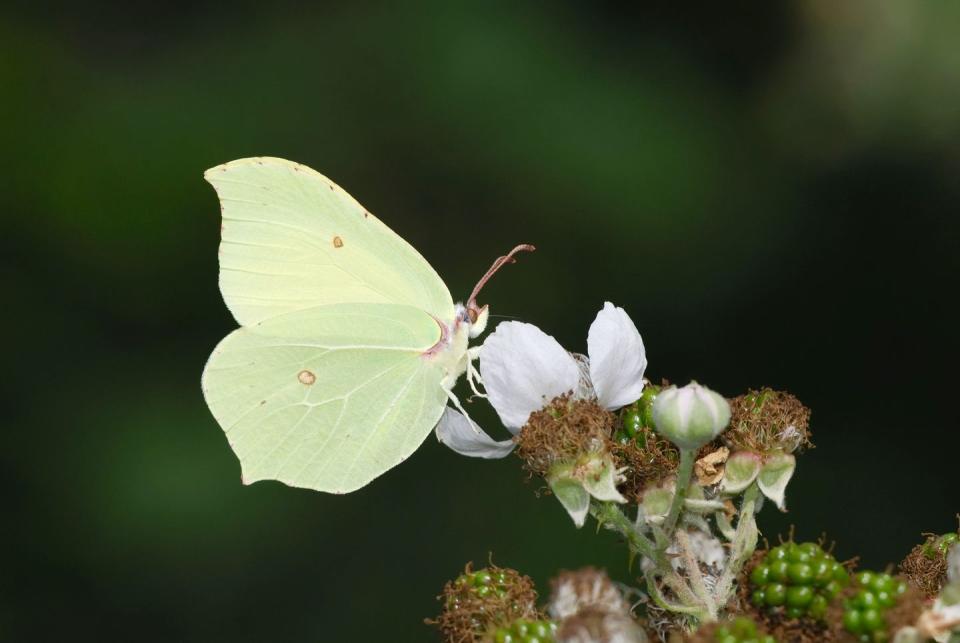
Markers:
{"x": 466, "y": 438}
{"x": 523, "y": 369}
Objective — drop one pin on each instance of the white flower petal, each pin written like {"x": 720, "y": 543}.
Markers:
{"x": 460, "y": 434}
{"x": 584, "y": 390}
{"x": 522, "y": 369}
{"x": 617, "y": 358}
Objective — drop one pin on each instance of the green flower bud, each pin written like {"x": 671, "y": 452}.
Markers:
{"x": 690, "y": 416}
{"x": 656, "y": 503}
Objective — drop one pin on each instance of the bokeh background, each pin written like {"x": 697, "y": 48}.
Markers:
{"x": 769, "y": 189}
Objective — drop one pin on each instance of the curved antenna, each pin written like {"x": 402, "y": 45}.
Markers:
{"x": 472, "y": 307}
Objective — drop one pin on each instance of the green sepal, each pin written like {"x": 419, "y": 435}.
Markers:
{"x": 570, "y": 493}
{"x": 740, "y": 470}
{"x": 656, "y": 503}
{"x": 598, "y": 475}
{"x": 774, "y": 476}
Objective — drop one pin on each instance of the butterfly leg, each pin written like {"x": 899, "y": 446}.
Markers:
{"x": 473, "y": 375}
{"x": 456, "y": 402}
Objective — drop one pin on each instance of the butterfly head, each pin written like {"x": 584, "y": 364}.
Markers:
{"x": 475, "y": 319}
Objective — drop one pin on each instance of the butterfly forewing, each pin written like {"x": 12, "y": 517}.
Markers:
{"x": 292, "y": 239}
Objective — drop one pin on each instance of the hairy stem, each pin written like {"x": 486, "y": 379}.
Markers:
{"x": 697, "y": 601}
{"x": 695, "y": 575}
{"x": 743, "y": 545}
{"x": 654, "y": 591}
{"x": 609, "y": 515}
{"x": 684, "y": 473}
{"x": 724, "y": 525}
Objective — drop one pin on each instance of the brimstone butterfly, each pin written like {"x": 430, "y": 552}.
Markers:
{"x": 349, "y": 343}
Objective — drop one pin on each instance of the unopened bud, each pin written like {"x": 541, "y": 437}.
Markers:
{"x": 690, "y": 416}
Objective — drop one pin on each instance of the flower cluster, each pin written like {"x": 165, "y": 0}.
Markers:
{"x": 584, "y": 607}
{"x": 679, "y": 473}
{"x": 558, "y": 405}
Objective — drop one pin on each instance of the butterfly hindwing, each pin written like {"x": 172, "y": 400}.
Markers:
{"x": 327, "y": 398}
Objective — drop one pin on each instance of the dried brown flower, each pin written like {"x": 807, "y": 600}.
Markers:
{"x": 925, "y": 568}
{"x": 766, "y": 420}
{"x": 470, "y": 608}
{"x": 563, "y": 430}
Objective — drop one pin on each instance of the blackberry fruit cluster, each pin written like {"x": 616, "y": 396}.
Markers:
{"x": 799, "y": 579}
{"x": 863, "y": 612}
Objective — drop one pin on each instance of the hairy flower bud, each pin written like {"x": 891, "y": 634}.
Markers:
{"x": 690, "y": 416}
{"x": 582, "y": 589}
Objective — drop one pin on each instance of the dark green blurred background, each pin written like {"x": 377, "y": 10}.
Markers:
{"x": 769, "y": 189}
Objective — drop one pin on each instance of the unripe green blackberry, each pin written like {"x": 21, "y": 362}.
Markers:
{"x": 863, "y": 612}
{"x": 525, "y": 631}
{"x": 637, "y": 417}
{"x": 480, "y": 584}
{"x": 798, "y": 579}
{"x": 741, "y": 630}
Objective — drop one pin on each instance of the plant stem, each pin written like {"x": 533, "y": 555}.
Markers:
{"x": 723, "y": 524}
{"x": 654, "y": 591}
{"x": 609, "y": 515}
{"x": 695, "y": 601}
{"x": 697, "y": 583}
{"x": 684, "y": 473}
{"x": 743, "y": 545}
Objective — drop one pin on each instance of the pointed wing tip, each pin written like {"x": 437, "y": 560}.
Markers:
{"x": 211, "y": 174}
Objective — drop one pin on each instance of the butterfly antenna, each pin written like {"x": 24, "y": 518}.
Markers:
{"x": 497, "y": 265}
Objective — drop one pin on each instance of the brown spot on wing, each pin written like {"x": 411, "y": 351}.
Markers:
{"x": 337, "y": 242}
{"x": 306, "y": 377}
